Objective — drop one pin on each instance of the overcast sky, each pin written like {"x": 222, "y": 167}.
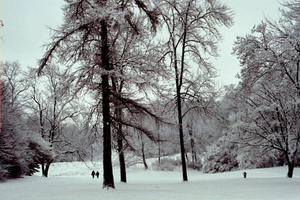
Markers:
{"x": 26, "y": 29}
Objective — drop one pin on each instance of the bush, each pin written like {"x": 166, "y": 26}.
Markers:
{"x": 197, "y": 165}
{"x": 166, "y": 164}
{"x": 257, "y": 158}
{"x": 221, "y": 156}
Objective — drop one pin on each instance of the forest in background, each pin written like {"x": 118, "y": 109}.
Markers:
{"x": 107, "y": 81}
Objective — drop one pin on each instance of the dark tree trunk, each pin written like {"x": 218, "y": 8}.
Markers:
{"x": 120, "y": 147}
{"x": 43, "y": 168}
{"x": 47, "y": 169}
{"x": 159, "y": 147}
{"x": 179, "y": 110}
{"x": 291, "y": 166}
{"x": 290, "y": 163}
{"x": 42, "y": 122}
{"x": 182, "y": 151}
{"x": 108, "y": 179}
{"x": 122, "y": 161}
{"x": 118, "y": 113}
{"x": 194, "y": 157}
{"x": 143, "y": 153}
{"x": 179, "y": 80}
{"x": 159, "y": 150}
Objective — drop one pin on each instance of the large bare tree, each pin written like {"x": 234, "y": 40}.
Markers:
{"x": 84, "y": 39}
{"x": 270, "y": 74}
{"x": 193, "y": 31}
{"x": 51, "y": 97}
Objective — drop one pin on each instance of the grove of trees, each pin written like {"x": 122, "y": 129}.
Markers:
{"x": 134, "y": 77}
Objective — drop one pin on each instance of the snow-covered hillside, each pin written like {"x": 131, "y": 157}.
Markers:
{"x": 72, "y": 181}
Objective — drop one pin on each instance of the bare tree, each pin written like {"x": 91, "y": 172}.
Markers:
{"x": 193, "y": 32}
{"x": 270, "y": 75}
{"x": 84, "y": 37}
{"x": 12, "y": 74}
{"x": 51, "y": 97}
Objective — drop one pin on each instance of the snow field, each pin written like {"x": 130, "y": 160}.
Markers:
{"x": 72, "y": 181}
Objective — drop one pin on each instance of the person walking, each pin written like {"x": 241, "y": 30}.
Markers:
{"x": 93, "y": 173}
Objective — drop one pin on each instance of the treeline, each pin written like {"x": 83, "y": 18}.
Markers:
{"x": 41, "y": 122}
{"x": 21, "y": 148}
{"x": 264, "y": 119}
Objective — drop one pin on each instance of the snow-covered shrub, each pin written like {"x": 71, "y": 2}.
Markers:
{"x": 221, "y": 156}
{"x": 40, "y": 151}
{"x": 255, "y": 158}
{"x": 166, "y": 164}
{"x": 197, "y": 165}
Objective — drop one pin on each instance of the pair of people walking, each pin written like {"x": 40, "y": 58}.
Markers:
{"x": 93, "y": 174}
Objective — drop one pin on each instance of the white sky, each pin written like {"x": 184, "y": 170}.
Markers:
{"x": 26, "y": 30}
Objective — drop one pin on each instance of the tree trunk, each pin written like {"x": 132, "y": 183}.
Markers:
{"x": 46, "y": 171}
{"x": 291, "y": 166}
{"x": 194, "y": 157}
{"x": 182, "y": 151}
{"x": 120, "y": 146}
{"x": 158, "y": 142}
{"x": 43, "y": 168}
{"x": 122, "y": 160}
{"x": 143, "y": 153}
{"x": 108, "y": 179}
{"x": 42, "y": 122}
{"x": 159, "y": 150}
{"x": 179, "y": 110}
{"x": 179, "y": 80}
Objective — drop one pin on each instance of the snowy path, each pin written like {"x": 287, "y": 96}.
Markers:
{"x": 262, "y": 184}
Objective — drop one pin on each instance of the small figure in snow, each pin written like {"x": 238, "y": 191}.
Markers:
{"x": 93, "y": 173}
{"x": 245, "y": 174}
{"x": 97, "y": 174}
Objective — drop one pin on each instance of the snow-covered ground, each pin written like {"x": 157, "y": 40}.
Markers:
{"x": 72, "y": 181}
